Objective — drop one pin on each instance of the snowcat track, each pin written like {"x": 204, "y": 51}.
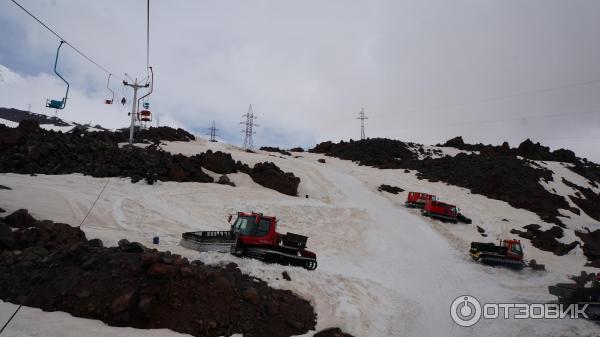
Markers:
{"x": 497, "y": 261}
{"x": 269, "y": 255}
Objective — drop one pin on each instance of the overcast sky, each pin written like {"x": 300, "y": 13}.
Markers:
{"x": 424, "y": 71}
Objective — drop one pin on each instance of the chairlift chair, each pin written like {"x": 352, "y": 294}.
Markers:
{"x": 58, "y": 104}
{"x": 110, "y": 101}
{"x": 145, "y": 116}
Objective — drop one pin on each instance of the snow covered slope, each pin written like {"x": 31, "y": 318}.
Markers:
{"x": 383, "y": 270}
{"x": 12, "y": 117}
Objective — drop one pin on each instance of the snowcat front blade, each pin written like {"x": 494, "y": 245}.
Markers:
{"x": 208, "y": 241}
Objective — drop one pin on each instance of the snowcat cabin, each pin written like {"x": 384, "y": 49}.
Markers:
{"x": 514, "y": 250}
{"x": 254, "y": 228}
{"x": 441, "y": 210}
{"x": 418, "y": 199}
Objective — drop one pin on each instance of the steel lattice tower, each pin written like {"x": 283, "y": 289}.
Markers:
{"x": 362, "y": 117}
{"x": 213, "y": 132}
{"x": 249, "y": 128}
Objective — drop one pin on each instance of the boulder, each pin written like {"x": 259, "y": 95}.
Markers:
{"x": 218, "y": 162}
{"x": 20, "y": 219}
{"x": 270, "y": 176}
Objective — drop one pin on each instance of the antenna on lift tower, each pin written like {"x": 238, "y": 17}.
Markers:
{"x": 362, "y": 117}
{"x": 213, "y": 132}
{"x": 249, "y": 125}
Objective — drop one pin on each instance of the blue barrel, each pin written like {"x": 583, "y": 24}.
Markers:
{"x": 155, "y": 240}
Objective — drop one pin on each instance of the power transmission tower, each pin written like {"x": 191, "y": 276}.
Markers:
{"x": 248, "y": 130}
{"x": 213, "y": 132}
{"x": 362, "y": 117}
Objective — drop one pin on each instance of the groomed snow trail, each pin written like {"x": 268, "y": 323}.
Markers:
{"x": 383, "y": 270}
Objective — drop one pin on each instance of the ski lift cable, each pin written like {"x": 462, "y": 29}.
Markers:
{"x": 511, "y": 119}
{"x": 503, "y": 97}
{"x": 148, "y": 35}
{"x": 63, "y": 39}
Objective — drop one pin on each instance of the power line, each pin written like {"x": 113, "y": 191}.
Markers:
{"x": 502, "y": 97}
{"x": 66, "y": 42}
{"x": 522, "y": 118}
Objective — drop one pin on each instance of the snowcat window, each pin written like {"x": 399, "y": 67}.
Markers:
{"x": 245, "y": 225}
{"x": 263, "y": 227}
{"x": 516, "y": 248}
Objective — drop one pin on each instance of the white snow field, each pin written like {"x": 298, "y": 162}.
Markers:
{"x": 383, "y": 269}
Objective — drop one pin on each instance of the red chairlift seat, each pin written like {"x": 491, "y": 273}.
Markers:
{"x": 108, "y": 101}
{"x": 145, "y": 116}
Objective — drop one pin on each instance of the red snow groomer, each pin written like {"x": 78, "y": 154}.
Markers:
{"x": 440, "y": 210}
{"x": 418, "y": 199}
{"x": 508, "y": 254}
{"x": 254, "y": 235}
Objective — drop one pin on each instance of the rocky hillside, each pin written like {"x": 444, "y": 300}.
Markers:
{"x": 16, "y": 115}
{"x": 498, "y": 172}
{"x": 29, "y": 149}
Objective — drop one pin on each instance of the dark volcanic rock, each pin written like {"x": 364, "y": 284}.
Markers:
{"x": 2, "y": 187}
{"x": 296, "y": 149}
{"x": 93, "y": 153}
{"x": 224, "y": 180}
{"x": 15, "y": 115}
{"x": 6, "y": 238}
{"x": 332, "y": 332}
{"x": 390, "y": 189}
{"x": 379, "y": 152}
{"x": 120, "y": 289}
{"x": 589, "y": 170}
{"x": 591, "y": 246}
{"x": 321, "y": 160}
{"x": 271, "y": 176}
{"x": 546, "y": 240}
{"x": 275, "y": 149}
{"x": 589, "y": 203}
{"x": 163, "y": 133}
{"x": 20, "y": 219}
{"x": 218, "y": 162}
{"x": 527, "y": 149}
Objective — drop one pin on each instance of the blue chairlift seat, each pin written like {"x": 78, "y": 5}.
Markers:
{"x": 146, "y": 105}
{"x": 54, "y": 104}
